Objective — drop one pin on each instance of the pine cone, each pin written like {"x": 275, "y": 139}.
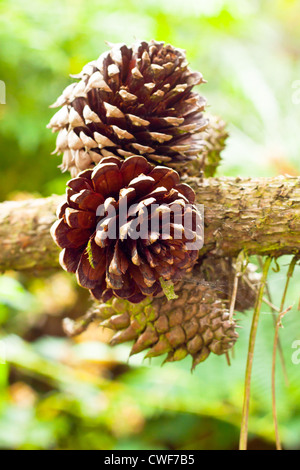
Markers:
{"x": 102, "y": 247}
{"x": 214, "y": 145}
{"x": 131, "y": 101}
{"x": 197, "y": 323}
{"x": 207, "y": 162}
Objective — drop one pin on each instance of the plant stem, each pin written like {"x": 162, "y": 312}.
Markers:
{"x": 274, "y": 316}
{"x": 233, "y": 296}
{"x": 276, "y": 343}
{"x": 279, "y": 346}
{"x": 265, "y": 300}
{"x": 288, "y": 278}
{"x": 245, "y": 413}
{"x": 278, "y": 325}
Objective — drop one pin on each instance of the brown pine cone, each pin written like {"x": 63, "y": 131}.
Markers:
{"x": 131, "y": 101}
{"x": 196, "y": 324}
{"x": 99, "y": 233}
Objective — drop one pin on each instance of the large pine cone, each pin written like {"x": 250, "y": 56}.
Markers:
{"x": 197, "y": 323}
{"x": 102, "y": 247}
{"x": 131, "y": 101}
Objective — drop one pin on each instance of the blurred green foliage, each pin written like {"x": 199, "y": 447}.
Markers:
{"x": 58, "y": 394}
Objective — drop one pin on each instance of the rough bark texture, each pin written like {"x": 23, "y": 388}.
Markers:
{"x": 260, "y": 216}
{"x": 26, "y": 243}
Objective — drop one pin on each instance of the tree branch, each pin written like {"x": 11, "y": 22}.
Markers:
{"x": 260, "y": 216}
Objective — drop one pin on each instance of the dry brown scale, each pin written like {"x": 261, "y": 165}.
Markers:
{"x": 131, "y": 101}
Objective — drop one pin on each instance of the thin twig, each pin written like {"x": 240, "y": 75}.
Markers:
{"x": 276, "y": 337}
{"x": 241, "y": 264}
{"x": 279, "y": 345}
{"x": 76, "y": 327}
{"x": 273, "y": 310}
{"x": 288, "y": 278}
{"x": 227, "y": 358}
{"x": 276, "y": 344}
{"x": 245, "y": 414}
{"x": 233, "y": 295}
{"x": 266, "y": 301}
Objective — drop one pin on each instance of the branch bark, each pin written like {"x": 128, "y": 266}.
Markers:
{"x": 260, "y": 216}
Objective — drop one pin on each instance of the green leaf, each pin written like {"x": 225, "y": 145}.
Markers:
{"x": 168, "y": 288}
{"x": 90, "y": 254}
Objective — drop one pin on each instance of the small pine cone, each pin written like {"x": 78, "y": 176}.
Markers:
{"x": 196, "y": 323}
{"x": 220, "y": 275}
{"x": 125, "y": 225}
{"x": 207, "y": 162}
{"x": 215, "y": 142}
{"x": 131, "y": 101}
